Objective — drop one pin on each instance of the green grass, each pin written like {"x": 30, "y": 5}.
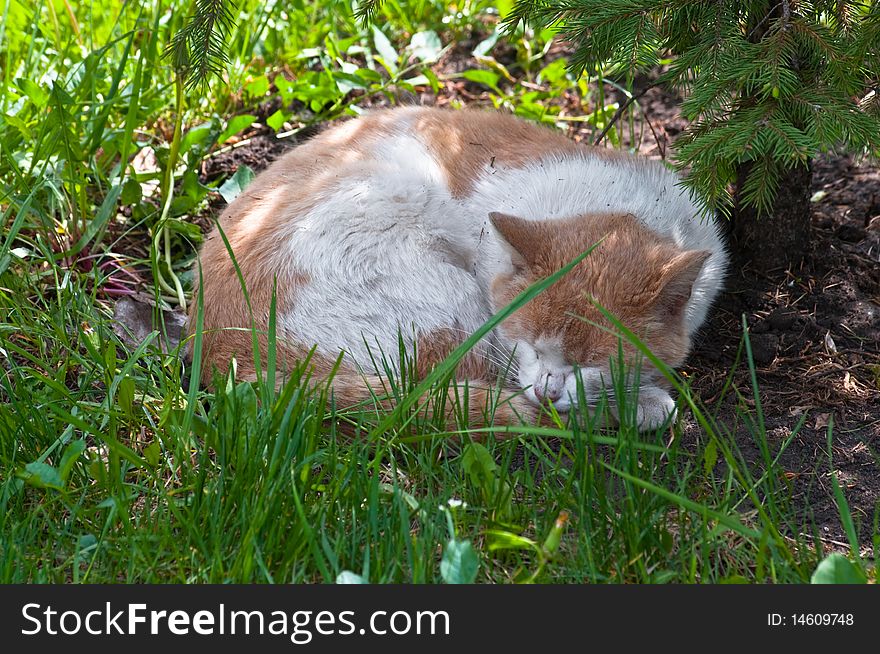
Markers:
{"x": 111, "y": 471}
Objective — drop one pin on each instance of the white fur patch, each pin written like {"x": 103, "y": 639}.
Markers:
{"x": 383, "y": 255}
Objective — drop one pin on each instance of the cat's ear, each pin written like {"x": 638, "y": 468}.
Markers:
{"x": 678, "y": 277}
{"x": 519, "y": 234}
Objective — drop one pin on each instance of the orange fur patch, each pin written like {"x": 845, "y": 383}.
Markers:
{"x": 435, "y": 347}
{"x": 466, "y": 143}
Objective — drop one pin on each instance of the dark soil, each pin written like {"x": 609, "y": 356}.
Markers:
{"x": 814, "y": 331}
{"x": 815, "y": 338}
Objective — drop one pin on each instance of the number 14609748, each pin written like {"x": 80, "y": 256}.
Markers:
{"x": 810, "y": 620}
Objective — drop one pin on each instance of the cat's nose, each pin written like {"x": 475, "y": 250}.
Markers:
{"x": 549, "y": 389}
{"x": 547, "y": 395}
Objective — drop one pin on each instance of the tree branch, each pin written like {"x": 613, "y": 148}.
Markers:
{"x": 620, "y": 111}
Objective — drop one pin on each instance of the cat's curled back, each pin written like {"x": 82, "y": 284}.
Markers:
{"x": 421, "y": 223}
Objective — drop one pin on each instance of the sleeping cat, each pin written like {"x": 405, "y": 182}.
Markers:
{"x": 420, "y": 223}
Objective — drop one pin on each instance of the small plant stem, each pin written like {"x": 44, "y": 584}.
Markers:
{"x": 620, "y": 111}
{"x": 167, "y": 193}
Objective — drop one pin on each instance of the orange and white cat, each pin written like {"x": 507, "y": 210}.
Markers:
{"x": 420, "y": 223}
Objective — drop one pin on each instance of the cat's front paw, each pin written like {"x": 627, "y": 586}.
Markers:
{"x": 655, "y": 406}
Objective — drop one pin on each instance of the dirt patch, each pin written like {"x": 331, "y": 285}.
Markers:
{"x": 815, "y": 337}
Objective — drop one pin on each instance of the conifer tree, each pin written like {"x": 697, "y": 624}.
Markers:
{"x": 767, "y": 85}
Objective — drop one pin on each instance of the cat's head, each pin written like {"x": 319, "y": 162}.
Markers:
{"x": 642, "y": 278}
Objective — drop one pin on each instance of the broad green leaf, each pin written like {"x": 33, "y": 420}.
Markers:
{"x": 495, "y": 65}
{"x": 18, "y": 123}
{"x": 460, "y": 562}
{"x": 276, "y": 120}
{"x": 349, "y": 577}
{"x": 42, "y": 475}
{"x": 547, "y": 34}
{"x": 554, "y": 73}
{"x": 236, "y": 126}
{"x": 533, "y": 111}
{"x": 84, "y": 546}
{"x": 131, "y": 192}
{"x": 125, "y": 395}
{"x": 309, "y": 53}
{"x": 189, "y": 230}
{"x": 504, "y": 7}
{"x": 72, "y": 452}
{"x": 257, "y": 87}
{"x": 485, "y": 77}
{"x": 667, "y": 540}
{"x": 285, "y": 88}
{"x": 505, "y": 540}
{"x": 233, "y": 186}
{"x": 348, "y": 81}
{"x": 479, "y": 465}
{"x": 195, "y": 136}
{"x": 386, "y": 51}
{"x": 710, "y": 456}
{"x": 192, "y": 187}
{"x": 152, "y": 453}
{"x": 484, "y": 46}
{"x": 369, "y": 75}
{"x": 38, "y": 95}
{"x": 86, "y": 541}
{"x": 110, "y": 359}
{"x": 411, "y": 501}
{"x": 433, "y": 80}
{"x": 426, "y": 46}
{"x": 837, "y": 569}
{"x": 418, "y": 80}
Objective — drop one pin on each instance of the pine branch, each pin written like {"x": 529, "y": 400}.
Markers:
{"x": 766, "y": 83}
{"x": 366, "y": 10}
{"x": 620, "y": 111}
{"x": 198, "y": 50}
